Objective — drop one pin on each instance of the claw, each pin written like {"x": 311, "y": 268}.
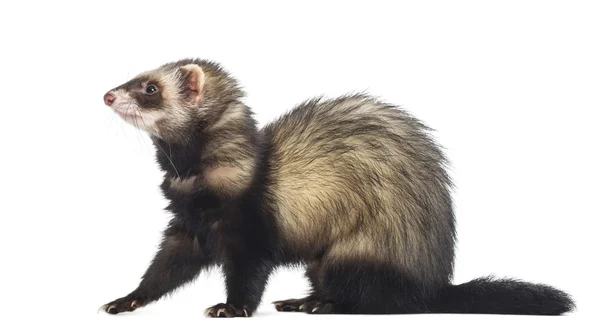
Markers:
{"x": 245, "y": 313}
{"x": 315, "y": 309}
{"x": 134, "y": 304}
{"x": 223, "y": 311}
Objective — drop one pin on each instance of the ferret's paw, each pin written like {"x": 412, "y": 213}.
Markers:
{"x": 125, "y": 304}
{"x": 318, "y": 307}
{"x": 293, "y": 305}
{"x": 227, "y": 311}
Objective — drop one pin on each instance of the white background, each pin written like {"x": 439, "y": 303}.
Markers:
{"x": 511, "y": 87}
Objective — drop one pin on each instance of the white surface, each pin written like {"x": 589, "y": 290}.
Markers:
{"x": 511, "y": 88}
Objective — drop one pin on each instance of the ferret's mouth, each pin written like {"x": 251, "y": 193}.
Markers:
{"x": 143, "y": 121}
{"x": 127, "y": 112}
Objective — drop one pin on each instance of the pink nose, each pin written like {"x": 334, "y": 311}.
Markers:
{"x": 109, "y": 98}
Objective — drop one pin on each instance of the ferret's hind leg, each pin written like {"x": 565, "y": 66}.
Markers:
{"x": 363, "y": 287}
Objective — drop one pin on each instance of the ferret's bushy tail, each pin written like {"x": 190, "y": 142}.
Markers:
{"x": 502, "y": 296}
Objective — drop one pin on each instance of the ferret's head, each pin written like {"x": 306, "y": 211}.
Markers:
{"x": 176, "y": 100}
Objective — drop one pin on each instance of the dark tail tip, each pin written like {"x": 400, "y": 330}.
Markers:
{"x": 504, "y": 296}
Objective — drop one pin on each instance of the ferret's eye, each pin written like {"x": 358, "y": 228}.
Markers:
{"x": 151, "y": 89}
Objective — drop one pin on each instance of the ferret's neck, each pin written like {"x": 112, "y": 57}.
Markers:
{"x": 210, "y": 145}
{"x": 179, "y": 160}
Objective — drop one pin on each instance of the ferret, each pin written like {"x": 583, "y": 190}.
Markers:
{"x": 354, "y": 189}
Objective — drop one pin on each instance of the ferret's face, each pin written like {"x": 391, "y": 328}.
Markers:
{"x": 162, "y": 102}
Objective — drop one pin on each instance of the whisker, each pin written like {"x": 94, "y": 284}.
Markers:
{"x": 169, "y": 158}
{"x": 158, "y": 144}
{"x": 135, "y": 123}
{"x": 112, "y": 120}
{"x": 139, "y": 133}
{"x": 145, "y": 126}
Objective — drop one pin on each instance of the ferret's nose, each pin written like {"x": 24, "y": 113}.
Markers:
{"x": 109, "y": 98}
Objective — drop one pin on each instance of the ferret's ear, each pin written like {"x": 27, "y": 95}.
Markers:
{"x": 194, "y": 79}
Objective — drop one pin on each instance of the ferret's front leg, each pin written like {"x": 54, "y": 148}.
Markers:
{"x": 245, "y": 280}
{"x": 179, "y": 260}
